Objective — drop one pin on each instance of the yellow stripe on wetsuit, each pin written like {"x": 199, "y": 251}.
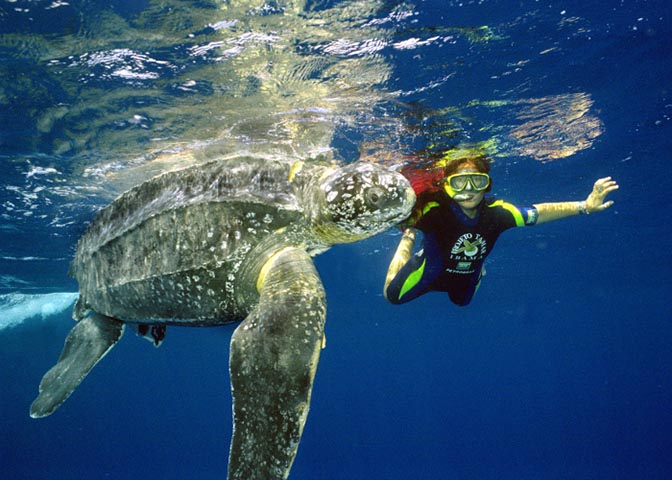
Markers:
{"x": 517, "y": 216}
{"x": 412, "y": 280}
{"x": 429, "y": 206}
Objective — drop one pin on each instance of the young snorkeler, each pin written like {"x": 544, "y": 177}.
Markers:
{"x": 460, "y": 228}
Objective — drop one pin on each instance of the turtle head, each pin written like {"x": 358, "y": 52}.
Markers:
{"x": 360, "y": 200}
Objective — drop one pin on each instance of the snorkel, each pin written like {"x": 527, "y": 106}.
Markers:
{"x": 458, "y": 197}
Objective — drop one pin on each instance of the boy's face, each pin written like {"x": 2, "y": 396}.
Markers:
{"x": 468, "y": 199}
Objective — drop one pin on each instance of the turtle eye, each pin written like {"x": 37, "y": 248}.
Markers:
{"x": 374, "y": 196}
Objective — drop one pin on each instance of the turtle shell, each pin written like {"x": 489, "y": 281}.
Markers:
{"x": 170, "y": 249}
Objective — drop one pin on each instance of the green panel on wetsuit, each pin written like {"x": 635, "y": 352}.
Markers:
{"x": 412, "y": 280}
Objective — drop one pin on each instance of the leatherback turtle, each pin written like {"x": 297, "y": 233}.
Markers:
{"x": 220, "y": 242}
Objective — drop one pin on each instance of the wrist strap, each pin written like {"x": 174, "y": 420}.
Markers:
{"x": 583, "y": 210}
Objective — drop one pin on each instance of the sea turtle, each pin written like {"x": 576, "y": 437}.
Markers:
{"x": 220, "y": 242}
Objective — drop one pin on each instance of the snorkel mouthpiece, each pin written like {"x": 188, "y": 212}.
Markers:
{"x": 458, "y": 197}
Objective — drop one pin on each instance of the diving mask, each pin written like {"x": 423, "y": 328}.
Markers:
{"x": 460, "y": 181}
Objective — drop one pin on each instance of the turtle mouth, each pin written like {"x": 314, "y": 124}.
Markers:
{"x": 396, "y": 209}
{"x": 366, "y": 202}
{"x": 410, "y": 201}
{"x": 400, "y": 208}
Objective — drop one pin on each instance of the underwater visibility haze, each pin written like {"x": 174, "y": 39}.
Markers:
{"x": 560, "y": 367}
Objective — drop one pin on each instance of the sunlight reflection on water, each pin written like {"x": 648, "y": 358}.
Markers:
{"x": 107, "y": 97}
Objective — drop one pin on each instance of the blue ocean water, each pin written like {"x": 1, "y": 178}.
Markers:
{"x": 560, "y": 368}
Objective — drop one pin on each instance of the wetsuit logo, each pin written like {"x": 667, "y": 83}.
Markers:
{"x": 468, "y": 246}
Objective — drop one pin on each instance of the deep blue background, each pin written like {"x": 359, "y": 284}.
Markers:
{"x": 559, "y": 369}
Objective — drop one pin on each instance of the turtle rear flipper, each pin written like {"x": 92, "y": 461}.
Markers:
{"x": 154, "y": 333}
{"x": 89, "y": 340}
{"x": 273, "y": 359}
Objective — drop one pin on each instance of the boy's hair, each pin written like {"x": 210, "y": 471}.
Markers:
{"x": 480, "y": 163}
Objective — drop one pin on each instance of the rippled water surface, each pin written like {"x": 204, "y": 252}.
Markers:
{"x": 560, "y": 368}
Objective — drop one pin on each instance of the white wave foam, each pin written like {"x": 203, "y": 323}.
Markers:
{"x": 16, "y": 308}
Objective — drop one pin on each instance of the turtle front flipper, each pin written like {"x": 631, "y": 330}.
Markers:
{"x": 273, "y": 359}
{"x": 89, "y": 340}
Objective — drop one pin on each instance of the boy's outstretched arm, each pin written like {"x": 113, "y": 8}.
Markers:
{"x": 595, "y": 202}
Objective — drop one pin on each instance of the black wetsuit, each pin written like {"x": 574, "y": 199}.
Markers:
{"x": 455, "y": 247}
